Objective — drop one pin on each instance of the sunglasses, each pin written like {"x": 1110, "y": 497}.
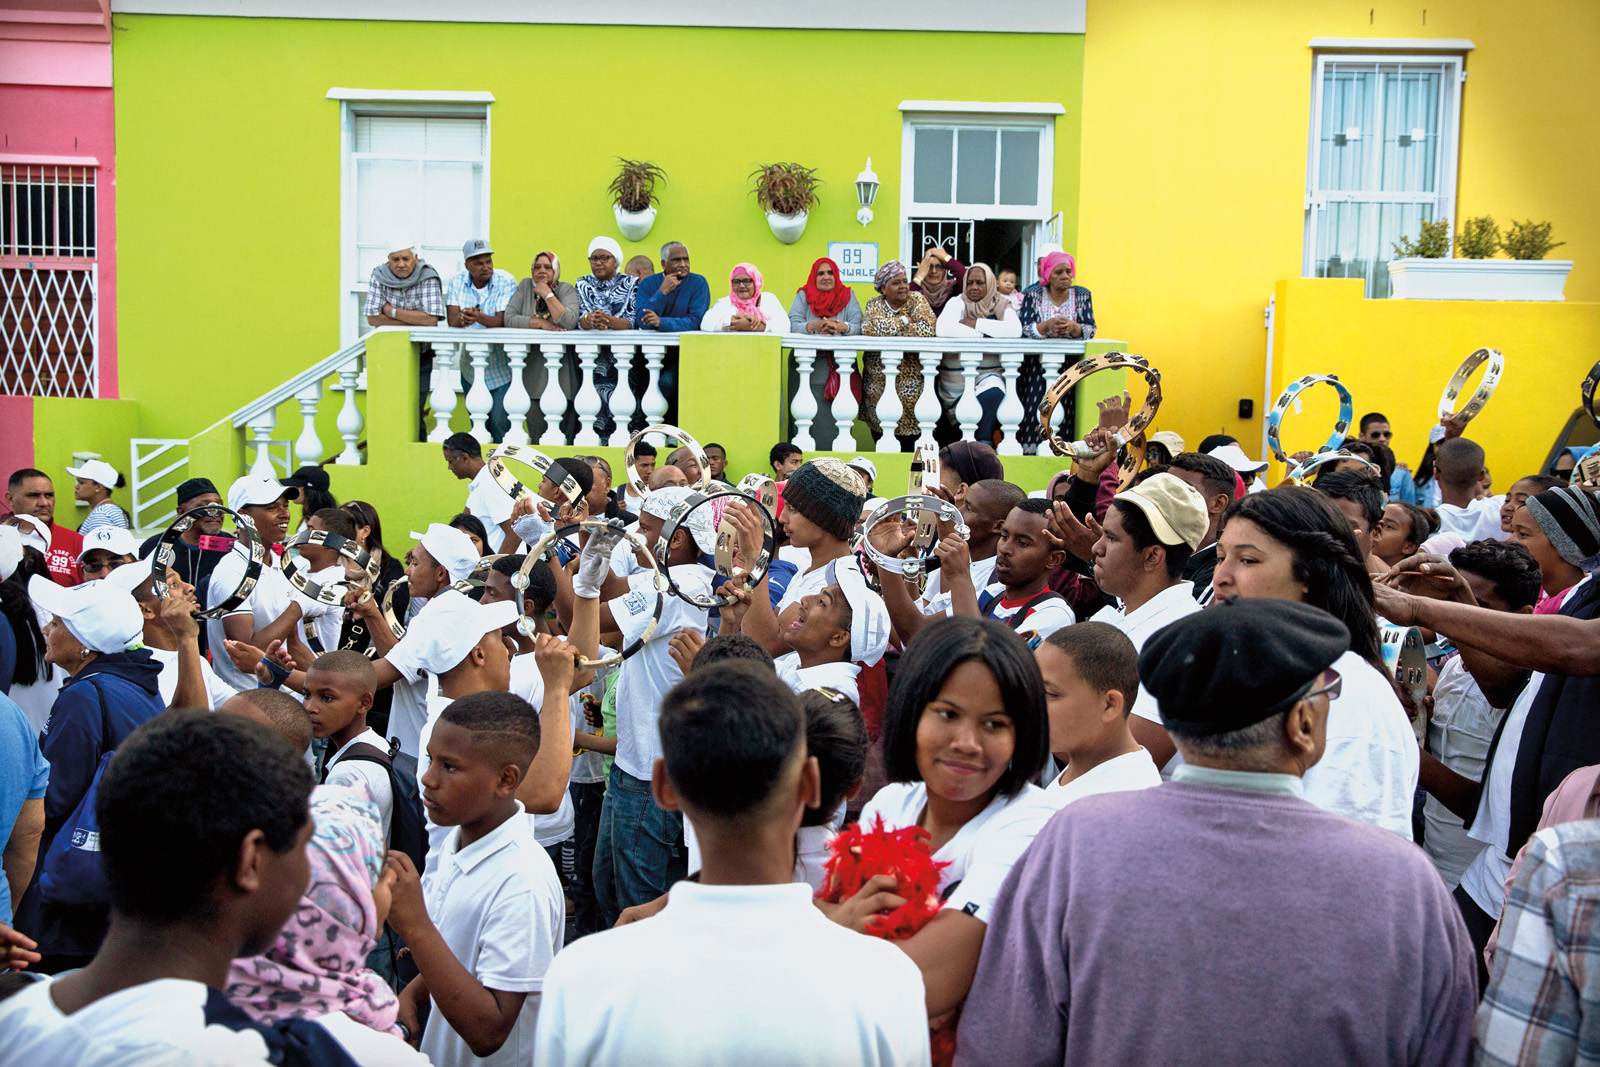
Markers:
{"x": 1331, "y": 686}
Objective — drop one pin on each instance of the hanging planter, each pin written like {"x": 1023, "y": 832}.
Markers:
{"x": 633, "y": 196}
{"x": 786, "y": 192}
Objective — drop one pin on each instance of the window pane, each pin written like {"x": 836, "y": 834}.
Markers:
{"x": 451, "y": 212}
{"x": 1411, "y": 129}
{"x": 975, "y": 157}
{"x": 1019, "y": 167}
{"x": 1349, "y": 127}
{"x": 930, "y": 176}
{"x": 388, "y": 197}
{"x": 454, "y": 138}
{"x": 1355, "y": 240}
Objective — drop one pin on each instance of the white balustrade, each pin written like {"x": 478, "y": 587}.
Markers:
{"x": 655, "y": 401}
{"x": 517, "y": 401}
{"x": 587, "y": 402}
{"x": 928, "y": 409}
{"x": 889, "y": 406}
{"x": 479, "y": 400}
{"x": 442, "y": 397}
{"x": 623, "y": 402}
{"x": 308, "y": 446}
{"x": 845, "y": 405}
{"x": 968, "y": 410}
{"x": 1011, "y": 409}
{"x": 350, "y": 422}
{"x": 804, "y": 404}
{"x": 553, "y": 400}
{"x": 260, "y": 430}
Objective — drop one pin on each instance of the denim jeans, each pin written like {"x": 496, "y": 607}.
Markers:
{"x": 639, "y": 852}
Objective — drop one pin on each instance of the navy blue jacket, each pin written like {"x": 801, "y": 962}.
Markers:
{"x": 680, "y": 310}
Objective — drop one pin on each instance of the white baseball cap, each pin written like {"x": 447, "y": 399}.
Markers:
{"x": 112, "y": 539}
{"x": 33, "y": 531}
{"x": 254, "y": 490}
{"x": 131, "y": 576}
{"x": 96, "y": 470}
{"x": 863, "y": 463}
{"x": 451, "y": 626}
{"x": 660, "y": 502}
{"x": 101, "y": 616}
{"x": 450, "y": 549}
{"x": 1234, "y": 457}
{"x": 869, "y": 615}
{"x": 10, "y": 551}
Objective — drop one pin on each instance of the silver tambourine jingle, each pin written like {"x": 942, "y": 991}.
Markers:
{"x": 727, "y": 538}
{"x": 520, "y": 582}
{"x": 255, "y": 553}
{"x": 1129, "y": 440}
{"x": 630, "y": 457}
{"x": 331, "y": 592}
{"x": 915, "y": 566}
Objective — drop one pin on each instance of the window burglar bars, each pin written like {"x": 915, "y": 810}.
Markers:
{"x": 49, "y": 320}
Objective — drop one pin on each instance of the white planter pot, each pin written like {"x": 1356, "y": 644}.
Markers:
{"x": 787, "y": 228}
{"x": 634, "y": 224}
{"x": 1415, "y": 278}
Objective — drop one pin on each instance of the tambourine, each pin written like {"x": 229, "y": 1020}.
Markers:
{"x": 915, "y": 566}
{"x": 1458, "y": 381}
{"x": 1405, "y": 657}
{"x": 760, "y": 488}
{"x": 167, "y": 554}
{"x": 522, "y": 579}
{"x": 1586, "y": 391}
{"x": 684, "y": 441}
{"x": 1302, "y": 473}
{"x": 540, "y": 462}
{"x": 479, "y": 575}
{"x": 1129, "y": 459}
{"x": 348, "y": 548}
{"x": 727, "y": 538}
{"x": 396, "y": 627}
{"x": 1586, "y": 475}
{"x": 924, "y": 473}
{"x": 1287, "y": 397}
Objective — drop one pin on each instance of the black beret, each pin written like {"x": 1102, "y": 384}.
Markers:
{"x": 1239, "y": 662}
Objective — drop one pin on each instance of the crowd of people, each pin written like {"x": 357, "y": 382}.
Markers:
{"x": 940, "y": 297}
{"x": 700, "y": 781}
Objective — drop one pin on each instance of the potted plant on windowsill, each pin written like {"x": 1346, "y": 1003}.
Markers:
{"x": 1425, "y": 271}
{"x": 633, "y": 196}
{"x": 786, "y": 192}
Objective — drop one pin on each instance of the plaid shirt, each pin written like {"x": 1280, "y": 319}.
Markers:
{"x": 1543, "y": 1001}
{"x": 425, "y": 296}
{"x": 491, "y": 299}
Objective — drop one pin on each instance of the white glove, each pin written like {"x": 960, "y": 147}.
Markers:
{"x": 595, "y": 562}
{"x": 531, "y": 527}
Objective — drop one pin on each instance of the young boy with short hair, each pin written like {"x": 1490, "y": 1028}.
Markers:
{"x": 340, "y": 687}
{"x": 488, "y": 919}
{"x": 1019, "y": 596}
{"x": 1091, "y": 680}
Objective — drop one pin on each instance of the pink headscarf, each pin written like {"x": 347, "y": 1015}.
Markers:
{"x": 1048, "y": 265}
{"x": 318, "y": 965}
{"x": 752, "y": 306}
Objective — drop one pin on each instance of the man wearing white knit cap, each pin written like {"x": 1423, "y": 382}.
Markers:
{"x": 403, "y": 290}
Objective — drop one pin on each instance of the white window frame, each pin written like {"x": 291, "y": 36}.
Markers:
{"x": 919, "y": 114}
{"x": 408, "y": 104}
{"x": 1449, "y": 141}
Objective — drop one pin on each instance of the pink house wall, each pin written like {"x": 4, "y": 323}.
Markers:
{"x": 16, "y": 433}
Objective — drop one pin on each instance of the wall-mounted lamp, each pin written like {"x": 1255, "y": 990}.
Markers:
{"x": 866, "y": 193}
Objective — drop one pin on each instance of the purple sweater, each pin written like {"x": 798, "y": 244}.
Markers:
{"x": 1196, "y": 924}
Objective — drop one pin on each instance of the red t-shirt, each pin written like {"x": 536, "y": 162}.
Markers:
{"x": 62, "y": 559}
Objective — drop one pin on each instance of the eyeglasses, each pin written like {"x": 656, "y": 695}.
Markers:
{"x": 95, "y": 566}
{"x": 1332, "y": 685}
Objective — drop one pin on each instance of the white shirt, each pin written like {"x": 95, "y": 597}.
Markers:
{"x": 1133, "y": 770}
{"x": 1478, "y": 521}
{"x": 719, "y": 316}
{"x": 811, "y": 852}
{"x": 1484, "y": 880}
{"x": 1459, "y": 733}
{"x": 363, "y": 775}
{"x": 839, "y": 676}
{"x": 734, "y": 975}
{"x": 1044, "y": 619}
{"x": 269, "y": 599}
{"x": 217, "y": 691}
{"x": 1166, "y": 607}
{"x": 328, "y": 619}
{"x": 936, "y": 598}
{"x": 982, "y": 852}
{"x": 498, "y": 905}
{"x": 408, "y": 715}
{"x": 646, "y": 676}
{"x": 489, "y": 503}
{"x": 807, "y": 581}
{"x": 949, "y": 323}
{"x": 1369, "y": 770}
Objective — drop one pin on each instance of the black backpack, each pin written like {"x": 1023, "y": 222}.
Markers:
{"x": 408, "y": 832}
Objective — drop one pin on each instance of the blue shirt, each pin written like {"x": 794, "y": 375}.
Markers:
{"x": 680, "y": 310}
{"x": 24, "y": 775}
{"x": 1402, "y": 490}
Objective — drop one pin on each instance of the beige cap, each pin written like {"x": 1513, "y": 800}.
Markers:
{"x": 1175, "y": 509}
{"x": 1168, "y": 440}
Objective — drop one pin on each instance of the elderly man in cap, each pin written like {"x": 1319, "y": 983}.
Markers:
{"x": 476, "y": 297}
{"x": 1221, "y": 918}
{"x": 403, "y": 290}
{"x": 105, "y": 548}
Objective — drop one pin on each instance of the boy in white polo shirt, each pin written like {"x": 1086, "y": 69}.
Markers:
{"x": 271, "y": 612}
{"x": 486, "y": 922}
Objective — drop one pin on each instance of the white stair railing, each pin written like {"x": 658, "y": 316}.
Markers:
{"x": 148, "y": 502}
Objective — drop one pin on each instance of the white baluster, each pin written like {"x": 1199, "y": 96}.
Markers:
{"x": 261, "y": 428}
{"x": 308, "y": 446}
{"x": 446, "y": 383}
{"x": 479, "y": 400}
{"x": 350, "y": 422}
{"x": 1011, "y": 410}
{"x": 623, "y": 402}
{"x": 968, "y": 410}
{"x": 552, "y": 401}
{"x": 517, "y": 399}
{"x": 587, "y": 402}
{"x": 803, "y": 406}
{"x": 928, "y": 409}
{"x": 655, "y": 401}
{"x": 889, "y": 406}
{"x": 845, "y": 404}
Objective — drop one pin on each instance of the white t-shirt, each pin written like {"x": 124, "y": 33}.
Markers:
{"x": 217, "y": 691}
{"x": 839, "y": 676}
{"x": 1133, "y": 770}
{"x": 269, "y": 599}
{"x": 488, "y": 503}
{"x": 1478, "y": 521}
{"x": 1166, "y": 607}
{"x": 1044, "y": 619}
{"x": 805, "y": 582}
{"x": 498, "y": 905}
{"x": 1369, "y": 770}
{"x": 733, "y": 975}
{"x": 981, "y": 853}
{"x": 645, "y": 677}
{"x": 365, "y": 775}
{"x": 409, "y": 711}
{"x": 936, "y": 598}
{"x": 328, "y": 619}
{"x": 1484, "y": 880}
{"x": 1459, "y": 733}
{"x": 811, "y": 852}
